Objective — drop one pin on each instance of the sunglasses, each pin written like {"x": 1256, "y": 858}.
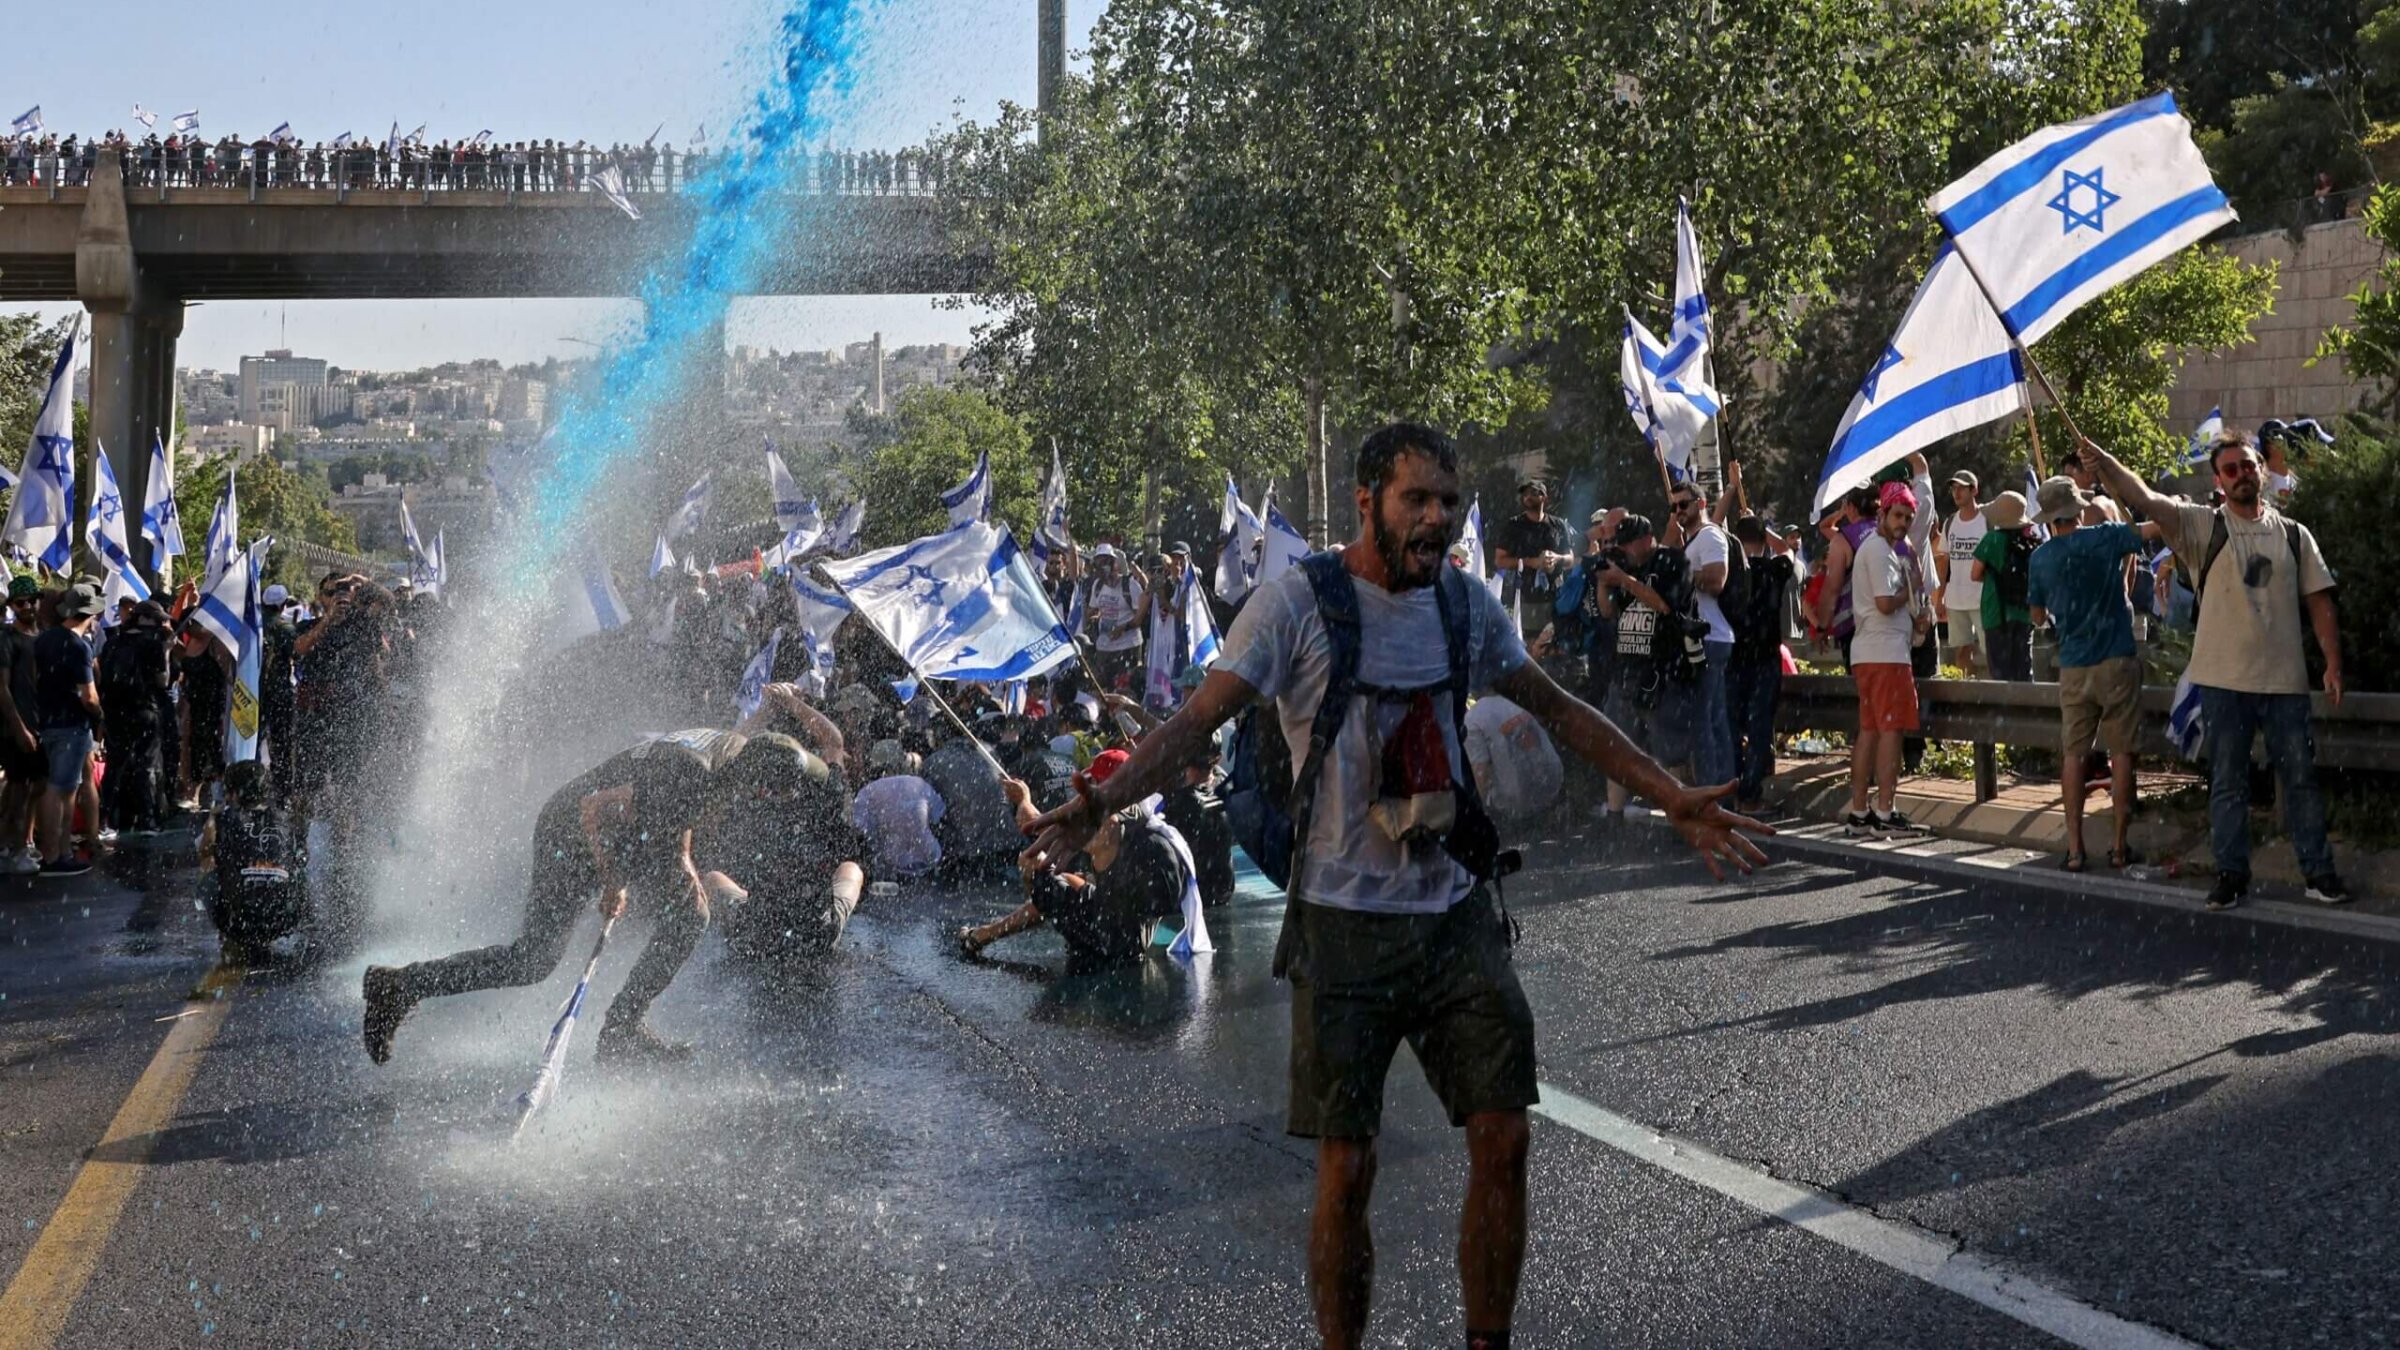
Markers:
{"x": 2247, "y": 468}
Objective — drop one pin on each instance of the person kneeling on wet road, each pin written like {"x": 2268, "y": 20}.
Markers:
{"x": 1139, "y": 870}
{"x": 624, "y": 826}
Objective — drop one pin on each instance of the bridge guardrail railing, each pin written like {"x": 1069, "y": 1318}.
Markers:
{"x": 551, "y": 170}
{"x": 2363, "y": 733}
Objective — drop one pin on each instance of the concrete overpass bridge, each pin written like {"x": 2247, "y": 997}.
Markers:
{"x": 135, "y": 255}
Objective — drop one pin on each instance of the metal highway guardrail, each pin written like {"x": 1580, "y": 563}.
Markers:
{"x": 2364, "y": 733}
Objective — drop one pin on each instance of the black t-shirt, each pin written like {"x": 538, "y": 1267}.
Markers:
{"x": 1523, "y": 537}
{"x": 16, "y": 654}
{"x": 1111, "y": 918}
{"x": 62, "y": 661}
{"x": 1758, "y": 631}
{"x": 133, "y": 667}
{"x": 976, "y": 817}
{"x": 275, "y": 663}
{"x": 1648, "y": 642}
{"x": 1050, "y": 778}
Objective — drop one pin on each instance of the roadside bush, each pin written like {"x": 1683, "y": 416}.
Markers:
{"x": 2345, "y": 499}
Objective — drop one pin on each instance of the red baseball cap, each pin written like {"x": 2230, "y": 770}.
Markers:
{"x": 1105, "y": 765}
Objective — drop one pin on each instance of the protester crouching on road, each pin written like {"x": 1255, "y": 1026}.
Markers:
{"x": 1892, "y": 612}
{"x": 2260, "y": 579}
{"x": 1138, "y": 871}
{"x": 1754, "y": 674}
{"x": 2077, "y": 586}
{"x": 897, "y": 810}
{"x": 2000, "y": 565}
{"x": 1530, "y": 553}
{"x": 1958, "y": 606}
{"x": 1389, "y": 937}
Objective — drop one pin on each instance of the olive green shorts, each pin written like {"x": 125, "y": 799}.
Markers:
{"x": 1444, "y": 983}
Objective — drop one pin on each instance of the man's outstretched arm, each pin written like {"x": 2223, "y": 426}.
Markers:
{"x": 2127, "y": 486}
{"x": 1696, "y": 813}
{"x": 1156, "y": 761}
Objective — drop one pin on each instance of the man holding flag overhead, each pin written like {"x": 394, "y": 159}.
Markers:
{"x": 1392, "y": 928}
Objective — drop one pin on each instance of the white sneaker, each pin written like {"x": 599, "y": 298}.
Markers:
{"x": 107, "y": 835}
{"x": 21, "y": 864}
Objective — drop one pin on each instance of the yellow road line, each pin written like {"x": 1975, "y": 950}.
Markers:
{"x": 35, "y": 1308}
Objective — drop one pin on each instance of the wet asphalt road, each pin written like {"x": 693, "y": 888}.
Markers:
{"x": 2187, "y": 1124}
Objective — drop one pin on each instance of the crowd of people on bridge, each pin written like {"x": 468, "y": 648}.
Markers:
{"x": 409, "y": 163}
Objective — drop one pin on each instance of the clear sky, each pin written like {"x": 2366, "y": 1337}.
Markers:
{"x": 601, "y": 70}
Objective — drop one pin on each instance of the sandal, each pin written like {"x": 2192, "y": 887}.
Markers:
{"x": 2124, "y": 857}
{"x": 2075, "y": 862}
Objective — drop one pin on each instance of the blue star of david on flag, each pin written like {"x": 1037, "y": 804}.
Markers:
{"x": 1890, "y": 358}
{"x": 2064, "y": 203}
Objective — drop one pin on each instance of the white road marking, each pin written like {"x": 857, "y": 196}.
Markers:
{"x": 1909, "y": 1250}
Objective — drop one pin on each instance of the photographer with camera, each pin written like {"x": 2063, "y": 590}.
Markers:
{"x": 1646, "y": 596}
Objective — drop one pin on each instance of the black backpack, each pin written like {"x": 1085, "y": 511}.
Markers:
{"x": 2016, "y": 571}
{"x": 1269, "y": 805}
{"x": 1734, "y": 598}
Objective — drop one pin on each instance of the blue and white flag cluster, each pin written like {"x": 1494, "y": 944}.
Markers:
{"x": 104, "y": 534}
{"x": 2074, "y": 209}
{"x": 1949, "y": 368}
{"x": 972, "y": 499}
{"x": 960, "y": 605}
{"x": 41, "y": 516}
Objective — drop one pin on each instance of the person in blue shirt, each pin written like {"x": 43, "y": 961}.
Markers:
{"x": 2076, "y": 584}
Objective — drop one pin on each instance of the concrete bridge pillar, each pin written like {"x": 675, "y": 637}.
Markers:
{"x": 134, "y": 330}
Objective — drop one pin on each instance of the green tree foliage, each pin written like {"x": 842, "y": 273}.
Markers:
{"x": 27, "y": 348}
{"x": 2369, "y": 345}
{"x": 272, "y": 500}
{"x": 2345, "y": 500}
{"x": 2279, "y": 142}
{"x": 927, "y": 445}
{"x": 2215, "y": 53}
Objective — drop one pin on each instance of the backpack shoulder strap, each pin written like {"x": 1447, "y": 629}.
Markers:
{"x": 2218, "y": 535}
{"x": 1337, "y": 607}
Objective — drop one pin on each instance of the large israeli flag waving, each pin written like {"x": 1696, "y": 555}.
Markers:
{"x": 960, "y": 605}
{"x": 1238, "y": 533}
{"x": 2074, "y": 209}
{"x": 104, "y": 533}
{"x": 1687, "y": 336}
{"x": 218, "y": 551}
{"x": 162, "y": 524}
{"x": 1671, "y": 410}
{"x": 1950, "y": 367}
{"x": 41, "y": 517}
{"x": 972, "y": 499}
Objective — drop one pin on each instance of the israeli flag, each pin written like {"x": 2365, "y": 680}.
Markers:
{"x": 2204, "y": 436}
{"x": 960, "y": 605}
{"x": 281, "y": 133}
{"x": 905, "y": 689}
{"x": 29, "y": 122}
{"x": 221, "y": 608}
{"x": 756, "y": 677}
{"x": 791, "y": 509}
{"x": 104, "y": 532}
{"x": 1950, "y": 367}
{"x": 661, "y": 557}
{"x": 821, "y": 614}
{"x": 2033, "y": 490}
{"x": 1472, "y": 537}
{"x": 187, "y": 120}
{"x": 586, "y": 601}
{"x": 218, "y": 549}
{"x": 41, "y": 516}
{"x": 692, "y": 511}
{"x": 145, "y": 116}
{"x": 229, "y": 613}
{"x": 844, "y": 535}
{"x": 482, "y": 138}
{"x": 972, "y": 499}
{"x": 2074, "y": 209}
{"x": 1686, "y": 356}
{"x": 391, "y": 141}
{"x": 1238, "y": 533}
{"x": 342, "y": 142}
{"x": 162, "y": 525}
{"x": 1283, "y": 546}
{"x": 1200, "y": 640}
{"x": 609, "y": 181}
{"x": 1050, "y": 536}
{"x": 2185, "y": 726}
{"x": 416, "y": 137}
{"x": 793, "y": 546}
{"x": 1193, "y": 940}
{"x": 1671, "y": 410}
{"x": 437, "y": 562}
{"x": 414, "y": 544}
